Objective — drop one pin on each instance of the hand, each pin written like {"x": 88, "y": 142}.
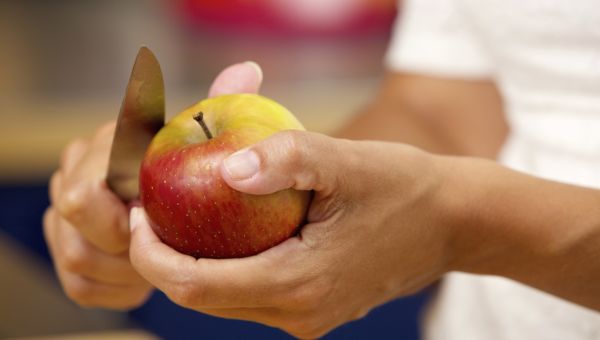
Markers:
{"x": 86, "y": 229}
{"x": 375, "y": 232}
{"x": 86, "y": 226}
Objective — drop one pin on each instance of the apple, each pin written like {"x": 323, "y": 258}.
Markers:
{"x": 189, "y": 205}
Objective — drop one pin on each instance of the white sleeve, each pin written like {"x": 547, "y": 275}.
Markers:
{"x": 433, "y": 37}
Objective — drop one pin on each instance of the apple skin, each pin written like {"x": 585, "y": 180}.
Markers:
{"x": 190, "y": 207}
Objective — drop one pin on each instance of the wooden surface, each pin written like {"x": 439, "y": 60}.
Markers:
{"x": 32, "y": 303}
{"x": 130, "y": 334}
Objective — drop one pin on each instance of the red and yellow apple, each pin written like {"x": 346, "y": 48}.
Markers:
{"x": 190, "y": 207}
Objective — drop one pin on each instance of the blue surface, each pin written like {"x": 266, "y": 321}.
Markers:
{"x": 397, "y": 319}
{"x": 21, "y": 210}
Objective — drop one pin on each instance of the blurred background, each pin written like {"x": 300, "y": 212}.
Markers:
{"x": 63, "y": 69}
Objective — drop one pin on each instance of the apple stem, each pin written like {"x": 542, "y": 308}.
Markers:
{"x": 200, "y": 119}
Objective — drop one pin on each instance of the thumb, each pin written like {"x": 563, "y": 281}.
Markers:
{"x": 155, "y": 261}
{"x": 244, "y": 77}
{"x": 290, "y": 159}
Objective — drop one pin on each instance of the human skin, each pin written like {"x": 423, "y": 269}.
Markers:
{"x": 387, "y": 220}
{"x": 87, "y": 227}
{"x": 437, "y": 114}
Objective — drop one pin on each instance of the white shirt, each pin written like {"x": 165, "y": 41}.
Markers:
{"x": 544, "y": 56}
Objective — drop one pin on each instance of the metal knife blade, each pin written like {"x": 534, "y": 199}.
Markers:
{"x": 142, "y": 114}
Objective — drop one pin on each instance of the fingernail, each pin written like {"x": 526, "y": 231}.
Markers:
{"x": 242, "y": 165}
{"x": 256, "y": 68}
{"x": 134, "y": 216}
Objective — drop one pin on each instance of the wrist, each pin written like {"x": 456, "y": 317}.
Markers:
{"x": 506, "y": 223}
{"x": 497, "y": 217}
{"x": 451, "y": 205}
{"x": 464, "y": 205}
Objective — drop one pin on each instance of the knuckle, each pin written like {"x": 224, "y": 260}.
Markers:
{"x": 297, "y": 146}
{"x": 303, "y": 154}
{"x": 71, "y": 150}
{"x": 71, "y": 203}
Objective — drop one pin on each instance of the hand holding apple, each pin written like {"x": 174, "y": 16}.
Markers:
{"x": 191, "y": 208}
{"x": 376, "y": 230}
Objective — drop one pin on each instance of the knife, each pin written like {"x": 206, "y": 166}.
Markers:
{"x": 142, "y": 114}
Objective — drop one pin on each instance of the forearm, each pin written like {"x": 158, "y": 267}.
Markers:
{"x": 393, "y": 124}
{"x": 542, "y": 233}
{"x": 444, "y": 116}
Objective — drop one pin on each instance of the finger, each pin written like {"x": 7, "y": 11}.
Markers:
{"x": 85, "y": 291}
{"x": 244, "y": 77}
{"x": 49, "y": 228}
{"x": 55, "y": 186}
{"x": 73, "y": 154}
{"x": 84, "y": 199}
{"x": 89, "y": 293}
{"x": 71, "y": 252}
{"x": 77, "y": 255}
{"x": 97, "y": 213}
{"x": 209, "y": 283}
{"x": 290, "y": 159}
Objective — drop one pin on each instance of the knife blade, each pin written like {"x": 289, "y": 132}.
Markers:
{"x": 142, "y": 114}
